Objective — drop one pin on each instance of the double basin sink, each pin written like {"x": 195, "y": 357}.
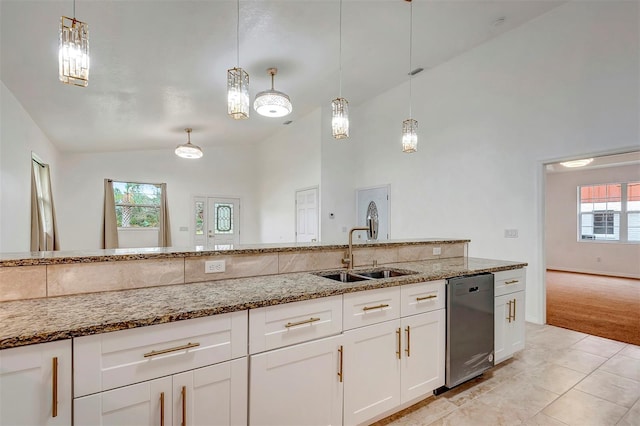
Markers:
{"x": 354, "y": 276}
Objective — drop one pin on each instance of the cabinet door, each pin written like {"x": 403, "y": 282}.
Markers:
{"x": 28, "y": 388}
{"x": 371, "y": 371}
{"x": 516, "y": 326}
{"x": 211, "y": 396}
{"x": 423, "y": 358}
{"x": 298, "y": 385}
{"x": 502, "y": 309}
{"x": 142, "y": 404}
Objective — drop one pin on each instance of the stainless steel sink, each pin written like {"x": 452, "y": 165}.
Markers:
{"x": 354, "y": 276}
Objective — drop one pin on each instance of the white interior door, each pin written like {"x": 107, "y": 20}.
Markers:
{"x": 223, "y": 222}
{"x": 307, "y": 215}
{"x": 380, "y": 196}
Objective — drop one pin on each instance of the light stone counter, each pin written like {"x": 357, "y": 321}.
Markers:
{"x": 33, "y": 321}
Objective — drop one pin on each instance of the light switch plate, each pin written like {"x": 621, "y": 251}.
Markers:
{"x": 437, "y": 251}
{"x": 511, "y": 233}
{"x": 214, "y": 266}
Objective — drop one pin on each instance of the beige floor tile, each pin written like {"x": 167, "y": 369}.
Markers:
{"x": 534, "y": 355}
{"x": 519, "y": 398}
{"x": 556, "y": 337}
{"x": 632, "y": 418}
{"x": 476, "y": 413}
{"x": 553, "y": 377}
{"x": 432, "y": 410}
{"x": 472, "y": 389}
{"x": 611, "y": 387}
{"x": 583, "y": 362}
{"x": 599, "y": 346}
{"x": 623, "y": 366}
{"x": 542, "y": 419}
{"x": 632, "y": 351}
{"x": 581, "y": 409}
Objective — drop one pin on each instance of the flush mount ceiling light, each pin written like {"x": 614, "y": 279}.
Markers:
{"x": 577, "y": 163}
{"x": 73, "y": 52}
{"x": 272, "y": 103}
{"x": 238, "y": 83}
{"x": 410, "y": 126}
{"x": 340, "y": 106}
{"x": 188, "y": 150}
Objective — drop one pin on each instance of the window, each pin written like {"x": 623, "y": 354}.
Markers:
{"x": 137, "y": 204}
{"x": 609, "y": 212}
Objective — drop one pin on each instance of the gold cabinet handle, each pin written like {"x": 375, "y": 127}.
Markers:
{"x": 309, "y": 321}
{"x": 408, "y": 350}
{"x": 184, "y": 406}
{"x": 510, "y": 282}
{"x": 380, "y": 306}
{"x": 509, "y": 317}
{"x": 166, "y": 351}
{"x": 340, "y": 363}
{"x": 514, "y": 309}
{"x": 398, "y": 335}
{"x": 431, "y": 296}
{"x": 54, "y": 390}
{"x": 161, "y": 408}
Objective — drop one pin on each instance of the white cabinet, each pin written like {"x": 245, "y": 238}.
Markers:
{"x": 509, "y": 331}
{"x": 298, "y": 385}
{"x": 35, "y": 385}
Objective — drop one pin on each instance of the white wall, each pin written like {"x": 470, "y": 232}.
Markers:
{"x": 19, "y": 137}
{"x": 223, "y": 171}
{"x": 286, "y": 162}
{"x": 564, "y": 251}
{"x": 559, "y": 86}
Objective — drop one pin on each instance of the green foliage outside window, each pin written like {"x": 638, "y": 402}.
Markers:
{"x": 137, "y": 204}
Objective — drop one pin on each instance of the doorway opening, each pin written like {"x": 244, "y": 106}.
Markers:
{"x": 307, "y": 215}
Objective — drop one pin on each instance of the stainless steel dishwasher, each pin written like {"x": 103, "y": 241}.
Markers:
{"x": 470, "y": 328}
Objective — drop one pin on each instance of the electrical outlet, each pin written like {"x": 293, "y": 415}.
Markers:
{"x": 214, "y": 266}
{"x": 437, "y": 251}
{"x": 511, "y": 233}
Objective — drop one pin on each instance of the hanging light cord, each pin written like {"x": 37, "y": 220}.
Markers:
{"x": 74, "y": 10}
{"x": 410, "y": 50}
{"x": 237, "y": 32}
{"x": 340, "y": 50}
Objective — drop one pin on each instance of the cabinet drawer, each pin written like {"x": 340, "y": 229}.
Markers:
{"x": 509, "y": 281}
{"x": 422, "y": 297}
{"x": 371, "y": 307}
{"x": 110, "y": 360}
{"x": 273, "y": 327}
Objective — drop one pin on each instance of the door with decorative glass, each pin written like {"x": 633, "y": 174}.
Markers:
{"x": 216, "y": 222}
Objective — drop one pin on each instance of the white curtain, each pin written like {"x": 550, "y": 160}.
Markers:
{"x": 44, "y": 229}
{"x": 109, "y": 236}
{"x": 164, "y": 231}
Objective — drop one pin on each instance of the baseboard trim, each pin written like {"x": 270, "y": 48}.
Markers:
{"x": 592, "y": 272}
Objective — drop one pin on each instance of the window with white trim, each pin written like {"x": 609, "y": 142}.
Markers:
{"x": 609, "y": 212}
{"x": 137, "y": 204}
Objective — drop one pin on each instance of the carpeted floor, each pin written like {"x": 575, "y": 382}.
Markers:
{"x": 594, "y": 304}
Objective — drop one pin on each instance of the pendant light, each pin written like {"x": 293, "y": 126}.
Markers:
{"x": 188, "y": 150}
{"x": 238, "y": 83}
{"x": 340, "y": 106}
{"x": 73, "y": 51}
{"x": 272, "y": 103}
{"x": 410, "y": 126}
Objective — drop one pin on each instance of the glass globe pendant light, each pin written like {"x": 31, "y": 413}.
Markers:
{"x": 188, "y": 150}
{"x": 73, "y": 51}
{"x": 340, "y": 106}
{"x": 410, "y": 126}
{"x": 272, "y": 103}
{"x": 238, "y": 83}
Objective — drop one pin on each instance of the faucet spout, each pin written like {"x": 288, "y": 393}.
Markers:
{"x": 348, "y": 261}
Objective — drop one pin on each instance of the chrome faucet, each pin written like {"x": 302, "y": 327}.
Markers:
{"x": 348, "y": 261}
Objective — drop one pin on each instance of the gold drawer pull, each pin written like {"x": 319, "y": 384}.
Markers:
{"x": 399, "y": 337}
{"x": 510, "y": 282}
{"x": 340, "y": 357}
{"x": 54, "y": 397}
{"x": 432, "y": 296}
{"x": 161, "y": 408}
{"x": 408, "y": 350}
{"x": 509, "y": 317}
{"x": 309, "y": 321}
{"x": 166, "y": 351}
{"x": 380, "y": 306}
{"x": 184, "y": 406}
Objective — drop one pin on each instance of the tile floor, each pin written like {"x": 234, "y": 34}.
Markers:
{"x": 562, "y": 377}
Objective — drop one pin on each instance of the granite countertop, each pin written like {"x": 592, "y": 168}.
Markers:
{"x": 33, "y": 321}
{"x": 111, "y": 255}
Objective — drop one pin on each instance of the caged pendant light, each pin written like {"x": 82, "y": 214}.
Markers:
{"x": 272, "y": 103}
{"x": 340, "y": 106}
{"x": 188, "y": 150}
{"x": 410, "y": 126}
{"x": 238, "y": 83}
{"x": 73, "y": 52}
